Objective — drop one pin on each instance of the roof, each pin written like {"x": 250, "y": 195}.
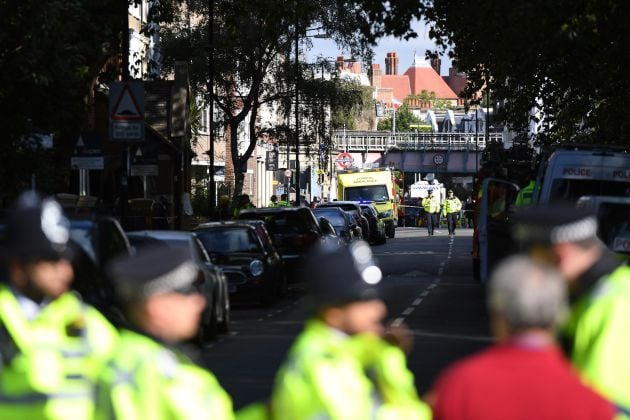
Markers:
{"x": 426, "y": 78}
{"x": 163, "y": 235}
{"x": 227, "y": 224}
{"x": 398, "y": 83}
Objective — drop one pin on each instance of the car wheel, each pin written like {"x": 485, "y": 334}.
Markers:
{"x": 391, "y": 231}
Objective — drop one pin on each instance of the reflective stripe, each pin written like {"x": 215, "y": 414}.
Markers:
{"x": 37, "y": 397}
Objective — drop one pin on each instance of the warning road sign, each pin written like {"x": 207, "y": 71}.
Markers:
{"x": 126, "y": 111}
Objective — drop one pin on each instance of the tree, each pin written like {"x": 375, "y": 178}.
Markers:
{"x": 404, "y": 120}
{"x": 564, "y": 58}
{"x": 253, "y": 46}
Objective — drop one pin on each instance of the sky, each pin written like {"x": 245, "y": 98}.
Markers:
{"x": 405, "y": 49}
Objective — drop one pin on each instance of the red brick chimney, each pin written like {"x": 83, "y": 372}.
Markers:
{"x": 391, "y": 63}
{"x": 376, "y": 75}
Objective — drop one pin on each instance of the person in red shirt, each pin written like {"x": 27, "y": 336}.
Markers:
{"x": 524, "y": 375}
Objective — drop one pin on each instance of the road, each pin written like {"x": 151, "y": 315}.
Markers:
{"x": 427, "y": 285}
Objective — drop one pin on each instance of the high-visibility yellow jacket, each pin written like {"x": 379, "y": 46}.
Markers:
{"x": 49, "y": 365}
{"x": 329, "y": 375}
{"x": 451, "y": 205}
{"x": 147, "y": 380}
{"x": 599, "y": 332}
{"x": 431, "y": 204}
{"x": 525, "y": 195}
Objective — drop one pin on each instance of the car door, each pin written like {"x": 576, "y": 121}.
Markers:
{"x": 496, "y": 207}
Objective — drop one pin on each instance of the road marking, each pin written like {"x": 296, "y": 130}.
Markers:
{"x": 408, "y": 311}
{"x": 417, "y": 302}
{"x": 397, "y": 322}
{"x": 441, "y": 271}
{"x": 269, "y": 315}
{"x": 432, "y": 285}
{"x": 425, "y": 293}
{"x": 260, "y": 319}
{"x": 443, "y": 263}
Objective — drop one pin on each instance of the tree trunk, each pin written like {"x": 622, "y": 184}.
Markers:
{"x": 230, "y": 133}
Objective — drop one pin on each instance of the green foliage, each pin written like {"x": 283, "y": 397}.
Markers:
{"x": 568, "y": 59}
{"x": 405, "y": 119}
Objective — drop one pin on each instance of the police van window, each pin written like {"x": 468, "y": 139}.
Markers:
{"x": 614, "y": 226}
{"x": 564, "y": 189}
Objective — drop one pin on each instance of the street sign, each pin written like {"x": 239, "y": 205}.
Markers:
{"x": 88, "y": 152}
{"x": 144, "y": 160}
{"x": 438, "y": 159}
{"x": 344, "y": 160}
{"x": 126, "y": 111}
{"x": 287, "y": 173}
{"x": 271, "y": 160}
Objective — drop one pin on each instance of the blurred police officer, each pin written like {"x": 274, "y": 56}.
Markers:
{"x": 340, "y": 366}
{"x": 431, "y": 206}
{"x": 597, "y": 332}
{"x": 149, "y": 377}
{"x": 52, "y": 345}
{"x": 450, "y": 209}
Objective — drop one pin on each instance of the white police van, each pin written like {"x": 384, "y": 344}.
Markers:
{"x": 585, "y": 171}
{"x": 613, "y": 214}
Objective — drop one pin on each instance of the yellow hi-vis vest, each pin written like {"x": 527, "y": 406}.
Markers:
{"x": 49, "y": 365}
{"x": 147, "y": 380}
{"x": 599, "y": 331}
{"x": 334, "y": 377}
{"x": 451, "y": 205}
{"x": 431, "y": 204}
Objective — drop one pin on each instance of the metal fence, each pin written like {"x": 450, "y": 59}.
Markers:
{"x": 379, "y": 141}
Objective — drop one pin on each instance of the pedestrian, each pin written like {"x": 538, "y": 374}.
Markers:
{"x": 469, "y": 210}
{"x": 450, "y": 209}
{"x": 524, "y": 375}
{"x": 341, "y": 366}
{"x": 284, "y": 201}
{"x": 273, "y": 201}
{"x": 222, "y": 211}
{"x": 242, "y": 202}
{"x": 596, "y": 333}
{"x": 149, "y": 375}
{"x": 431, "y": 206}
{"x": 525, "y": 195}
{"x": 52, "y": 344}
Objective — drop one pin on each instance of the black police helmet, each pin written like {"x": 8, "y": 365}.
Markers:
{"x": 336, "y": 275}
{"x": 37, "y": 229}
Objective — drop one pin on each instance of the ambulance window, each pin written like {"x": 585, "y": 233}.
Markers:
{"x": 564, "y": 189}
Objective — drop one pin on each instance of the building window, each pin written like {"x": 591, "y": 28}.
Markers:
{"x": 204, "y": 123}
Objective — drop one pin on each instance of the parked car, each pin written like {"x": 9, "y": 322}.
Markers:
{"x": 355, "y": 209}
{"x": 252, "y": 265}
{"x": 343, "y": 222}
{"x": 377, "y": 226}
{"x": 294, "y": 230}
{"x": 211, "y": 280}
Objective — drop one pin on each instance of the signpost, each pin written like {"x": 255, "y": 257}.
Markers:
{"x": 126, "y": 111}
{"x": 345, "y": 160}
{"x": 271, "y": 160}
{"x": 144, "y": 163}
{"x": 87, "y": 155}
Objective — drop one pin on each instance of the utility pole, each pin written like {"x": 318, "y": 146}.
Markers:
{"x": 297, "y": 110}
{"x": 212, "y": 187}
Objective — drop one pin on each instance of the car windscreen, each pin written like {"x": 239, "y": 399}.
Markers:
{"x": 229, "y": 240}
{"x": 83, "y": 237}
{"x": 614, "y": 226}
{"x": 564, "y": 189}
{"x": 366, "y": 193}
{"x": 334, "y": 217}
{"x": 141, "y": 241}
{"x": 288, "y": 222}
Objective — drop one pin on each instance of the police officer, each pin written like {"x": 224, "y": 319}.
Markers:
{"x": 596, "y": 334}
{"x": 273, "y": 201}
{"x": 52, "y": 345}
{"x": 525, "y": 195}
{"x": 242, "y": 202}
{"x": 340, "y": 366}
{"x": 284, "y": 201}
{"x": 450, "y": 209}
{"x": 431, "y": 206}
{"x": 148, "y": 376}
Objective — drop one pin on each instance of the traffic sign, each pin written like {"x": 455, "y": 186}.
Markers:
{"x": 287, "y": 173}
{"x": 88, "y": 152}
{"x": 144, "y": 160}
{"x": 126, "y": 111}
{"x": 271, "y": 160}
{"x": 345, "y": 160}
{"x": 438, "y": 159}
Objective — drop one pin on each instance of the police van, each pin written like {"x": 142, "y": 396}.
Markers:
{"x": 585, "y": 171}
{"x": 613, "y": 214}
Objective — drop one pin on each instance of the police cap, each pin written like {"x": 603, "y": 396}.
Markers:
{"x": 155, "y": 269}
{"x": 549, "y": 224}
{"x": 37, "y": 229}
{"x": 336, "y": 275}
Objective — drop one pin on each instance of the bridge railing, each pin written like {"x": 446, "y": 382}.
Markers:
{"x": 383, "y": 141}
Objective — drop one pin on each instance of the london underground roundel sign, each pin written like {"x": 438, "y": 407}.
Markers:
{"x": 345, "y": 160}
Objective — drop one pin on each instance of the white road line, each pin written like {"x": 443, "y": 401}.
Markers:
{"x": 417, "y": 302}
{"x": 443, "y": 263}
{"x": 431, "y": 286}
{"x": 397, "y": 322}
{"x": 440, "y": 271}
{"x": 260, "y": 319}
{"x": 269, "y": 315}
{"x": 425, "y": 293}
{"x": 408, "y": 311}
